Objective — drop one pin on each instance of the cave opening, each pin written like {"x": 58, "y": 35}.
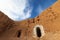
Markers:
{"x": 19, "y": 33}
{"x": 38, "y": 32}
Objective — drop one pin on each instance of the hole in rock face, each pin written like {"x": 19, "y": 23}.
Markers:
{"x": 19, "y": 33}
{"x": 38, "y": 32}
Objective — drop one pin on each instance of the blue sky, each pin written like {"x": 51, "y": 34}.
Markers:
{"x": 19, "y": 10}
{"x": 40, "y": 5}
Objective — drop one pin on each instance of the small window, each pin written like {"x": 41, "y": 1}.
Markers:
{"x": 38, "y": 31}
{"x": 19, "y": 33}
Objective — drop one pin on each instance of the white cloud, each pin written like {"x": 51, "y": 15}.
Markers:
{"x": 14, "y": 9}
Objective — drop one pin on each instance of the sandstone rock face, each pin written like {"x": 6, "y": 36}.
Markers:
{"x": 4, "y": 22}
{"x": 48, "y": 21}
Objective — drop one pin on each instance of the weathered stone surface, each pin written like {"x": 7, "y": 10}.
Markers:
{"x": 49, "y": 19}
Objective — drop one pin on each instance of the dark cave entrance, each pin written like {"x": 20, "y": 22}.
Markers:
{"x": 38, "y": 32}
